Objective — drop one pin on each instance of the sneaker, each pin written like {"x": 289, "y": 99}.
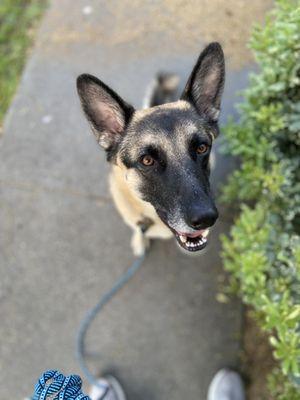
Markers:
{"x": 226, "y": 385}
{"x": 109, "y": 389}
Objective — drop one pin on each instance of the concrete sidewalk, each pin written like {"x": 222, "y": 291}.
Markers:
{"x": 63, "y": 244}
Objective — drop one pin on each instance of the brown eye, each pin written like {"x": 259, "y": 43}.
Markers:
{"x": 202, "y": 148}
{"x": 147, "y": 161}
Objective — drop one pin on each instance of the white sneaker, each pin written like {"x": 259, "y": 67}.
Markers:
{"x": 109, "y": 389}
{"x": 226, "y": 385}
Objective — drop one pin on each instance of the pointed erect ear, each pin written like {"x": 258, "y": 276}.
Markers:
{"x": 205, "y": 86}
{"x": 107, "y": 113}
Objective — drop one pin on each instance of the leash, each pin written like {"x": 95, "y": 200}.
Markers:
{"x": 91, "y": 315}
{"x": 53, "y": 384}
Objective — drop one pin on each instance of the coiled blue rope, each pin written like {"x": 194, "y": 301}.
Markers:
{"x": 53, "y": 383}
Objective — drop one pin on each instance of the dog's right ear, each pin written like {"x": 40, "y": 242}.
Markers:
{"x": 107, "y": 113}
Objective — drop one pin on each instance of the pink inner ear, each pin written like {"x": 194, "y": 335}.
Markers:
{"x": 207, "y": 86}
{"x": 110, "y": 117}
{"x": 210, "y": 82}
{"x": 113, "y": 125}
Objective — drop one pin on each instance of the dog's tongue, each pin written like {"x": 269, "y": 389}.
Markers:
{"x": 195, "y": 234}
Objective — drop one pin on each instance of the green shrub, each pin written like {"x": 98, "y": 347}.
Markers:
{"x": 17, "y": 18}
{"x": 263, "y": 251}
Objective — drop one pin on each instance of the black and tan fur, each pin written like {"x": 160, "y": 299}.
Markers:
{"x": 172, "y": 195}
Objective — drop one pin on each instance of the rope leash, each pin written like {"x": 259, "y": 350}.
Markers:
{"x": 53, "y": 384}
{"x": 91, "y": 315}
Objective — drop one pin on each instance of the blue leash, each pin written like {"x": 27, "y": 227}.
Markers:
{"x": 53, "y": 383}
{"x": 91, "y": 315}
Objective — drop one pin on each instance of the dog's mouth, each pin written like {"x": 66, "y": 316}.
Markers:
{"x": 192, "y": 242}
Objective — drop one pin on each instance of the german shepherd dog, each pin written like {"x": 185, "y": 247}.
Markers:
{"x": 159, "y": 178}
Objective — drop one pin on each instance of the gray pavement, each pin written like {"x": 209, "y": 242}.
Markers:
{"x": 62, "y": 243}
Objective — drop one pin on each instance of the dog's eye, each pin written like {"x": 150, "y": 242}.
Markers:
{"x": 147, "y": 160}
{"x": 202, "y": 148}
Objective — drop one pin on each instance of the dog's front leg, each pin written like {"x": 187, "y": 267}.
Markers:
{"x": 139, "y": 242}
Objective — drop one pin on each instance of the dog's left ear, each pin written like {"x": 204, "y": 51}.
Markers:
{"x": 205, "y": 85}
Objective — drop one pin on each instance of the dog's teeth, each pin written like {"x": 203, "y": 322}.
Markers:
{"x": 205, "y": 233}
{"x": 183, "y": 238}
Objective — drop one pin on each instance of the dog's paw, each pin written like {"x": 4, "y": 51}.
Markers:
{"x": 139, "y": 243}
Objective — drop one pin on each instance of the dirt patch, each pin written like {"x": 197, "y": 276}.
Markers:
{"x": 176, "y": 26}
{"x": 257, "y": 359}
{"x": 186, "y": 23}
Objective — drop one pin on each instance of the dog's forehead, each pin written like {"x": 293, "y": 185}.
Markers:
{"x": 165, "y": 119}
{"x": 167, "y": 127}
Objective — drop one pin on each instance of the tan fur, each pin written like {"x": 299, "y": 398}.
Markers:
{"x": 177, "y": 105}
{"x": 123, "y": 187}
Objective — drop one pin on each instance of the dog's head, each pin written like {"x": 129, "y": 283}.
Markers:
{"x": 165, "y": 150}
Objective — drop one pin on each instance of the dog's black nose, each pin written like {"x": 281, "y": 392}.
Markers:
{"x": 201, "y": 218}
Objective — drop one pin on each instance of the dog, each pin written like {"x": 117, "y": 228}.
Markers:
{"x": 159, "y": 155}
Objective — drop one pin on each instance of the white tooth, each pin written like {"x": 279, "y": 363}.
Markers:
{"x": 205, "y": 233}
{"x": 204, "y": 240}
{"x": 183, "y": 238}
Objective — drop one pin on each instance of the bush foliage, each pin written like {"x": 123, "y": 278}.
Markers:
{"x": 17, "y": 18}
{"x": 263, "y": 252}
